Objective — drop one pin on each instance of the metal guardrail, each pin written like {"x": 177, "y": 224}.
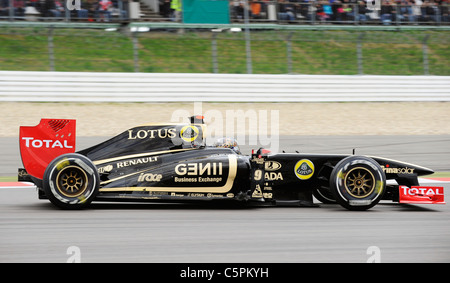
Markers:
{"x": 20, "y": 86}
{"x": 253, "y": 26}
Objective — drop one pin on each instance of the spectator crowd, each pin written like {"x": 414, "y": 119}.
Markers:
{"x": 361, "y": 11}
{"x": 289, "y": 11}
{"x": 99, "y": 10}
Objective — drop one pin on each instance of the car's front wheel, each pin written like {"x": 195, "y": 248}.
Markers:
{"x": 357, "y": 182}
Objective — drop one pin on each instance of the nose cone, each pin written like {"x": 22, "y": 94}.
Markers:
{"x": 402, "y": 168}
{"x": 423, "y": 171}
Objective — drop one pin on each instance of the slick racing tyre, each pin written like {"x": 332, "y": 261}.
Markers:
{"x": 357, "y": 182}
{"x": 71, "y": 181}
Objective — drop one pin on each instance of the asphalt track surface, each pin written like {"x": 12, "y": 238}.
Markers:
{"x": 32, "y": 230}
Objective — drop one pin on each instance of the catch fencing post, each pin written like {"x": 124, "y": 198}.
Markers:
{"x": 359, "y": 53}
{"x": 289, "y": 52}
{"x": 135, "y": 51}
{"x": 11, "y": 10}
{"x": 248, "y": 50}
{"x": 426, "y": 70}
{"x": 51, "y": 54}
{"x": 215, "y": 64}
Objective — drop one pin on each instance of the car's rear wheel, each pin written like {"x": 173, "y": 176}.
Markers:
{"x": 357, "y": 182}
{"x": 71, "y": 181}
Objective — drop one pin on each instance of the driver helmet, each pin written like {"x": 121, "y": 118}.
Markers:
{"x": 228, "y": 143}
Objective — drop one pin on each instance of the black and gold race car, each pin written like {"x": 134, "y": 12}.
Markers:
{"x": 172, "y": 163}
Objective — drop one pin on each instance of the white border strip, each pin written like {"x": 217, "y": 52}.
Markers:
{"x": 17, "y": 185}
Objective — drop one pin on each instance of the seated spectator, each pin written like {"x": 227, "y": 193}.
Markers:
{"x": 32, "y": 3}
{"x": 417, "y": 10}
{"x": 91, "y": 6}
{"x": 405, "y": 8}
{"x": 58, "y": 9}
{"x": 237, "y": 9}
{"x": 445, "y": 11}
{"x": 320, "y": 12}
{"x": 286, "y": 11}
{"x": 327, "y": 9}
{"x": 104, "y": 10}
{"x": 301, "y": 9}
{"x": 432, "y": 12}
{"x": 118, "y": 9}
{"x": 387, "y": 11}
{"x": 164, "y": 8}
{"x": 347, "y": 14}
{"x": 255, "y": 9}
{"x": 337, "y": 11}
{"x": 18, "y": 7}
{"x": 4, "y": 8}
{"x": 360, "y": 15}
{"x": 82, "y": 13}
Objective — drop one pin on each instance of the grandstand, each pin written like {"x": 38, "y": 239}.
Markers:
{"x": 373, "y": 12}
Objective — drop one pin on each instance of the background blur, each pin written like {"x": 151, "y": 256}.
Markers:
{"x": 275, "y": 37}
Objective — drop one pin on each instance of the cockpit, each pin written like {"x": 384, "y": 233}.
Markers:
{"x": 227, "y": 143}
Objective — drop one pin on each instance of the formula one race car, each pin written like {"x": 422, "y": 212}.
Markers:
{"x": 172, "y": 163}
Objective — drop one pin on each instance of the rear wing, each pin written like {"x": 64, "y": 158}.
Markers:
{"x": 40, "y": 144}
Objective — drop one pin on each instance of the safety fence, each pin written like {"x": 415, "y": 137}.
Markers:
{"x": 157, "y": 87}
{"x": 168, "y": 49}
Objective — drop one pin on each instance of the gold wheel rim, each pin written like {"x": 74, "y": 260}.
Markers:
{"x": 71, "y": 181}
{"x": 359, "y": 182}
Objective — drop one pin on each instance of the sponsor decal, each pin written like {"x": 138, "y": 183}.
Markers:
{"x": 37, "y": 143}
{"x": 208, "y": 185}
{"x": 422, "y": 191}
{"x": 214, "y": 168}
{"x": 257, "y": 193}
{"x": 273, "y": 176}
{"x": 132, "y": 162}
{"x": 105, "y": 169}
{"x": 198, "y": 179}
{"x": 149, "y": 177}
{"x": 272, "y": 165}
{"x": 267, "y": 195}
{"x": 184, "y": 179}
{"x": 258, "y": 160}
{"x": 195, "y": 195}
{"x": 268, "y": 176}
{"x": 137, "y": 161}
{"x": 402, "y": 170}
{"x": 211, "y": 195}
{"x": 421, "y": 194}
{"x": 189, "y": 133}
{"x": 200, "y": 172}
{"x": 304, "y": 169}
{"x": 151, "y": 134}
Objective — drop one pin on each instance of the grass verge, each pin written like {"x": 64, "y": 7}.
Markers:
{"x": 272, "y": 52}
